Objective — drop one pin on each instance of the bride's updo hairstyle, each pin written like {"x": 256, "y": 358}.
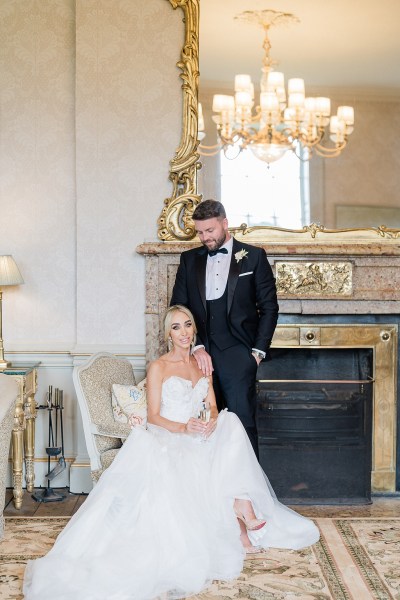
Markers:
{"x": 169, "y": 316}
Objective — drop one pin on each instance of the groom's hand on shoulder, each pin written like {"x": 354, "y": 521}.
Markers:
{"x": 204, "y": 361}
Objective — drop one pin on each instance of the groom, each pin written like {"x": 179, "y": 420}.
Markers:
{"x": 230, "y": 289}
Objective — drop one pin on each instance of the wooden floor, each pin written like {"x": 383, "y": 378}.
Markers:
{"x": 31, "y": 507}
{"x": 387, "y": 506}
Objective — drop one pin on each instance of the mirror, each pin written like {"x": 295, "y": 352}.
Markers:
{"x": 357, "y": 185}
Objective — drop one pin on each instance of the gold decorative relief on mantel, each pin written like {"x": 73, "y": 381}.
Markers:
{"x": 314, "y": 279}
{"x": 175, "y": 221}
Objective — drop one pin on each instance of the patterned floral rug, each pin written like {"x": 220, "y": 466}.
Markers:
{"x": 356, "y": 559}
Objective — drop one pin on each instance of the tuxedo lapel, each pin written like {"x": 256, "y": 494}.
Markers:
{"x": 234, "y": 272}
{"x": 201, "y": 263}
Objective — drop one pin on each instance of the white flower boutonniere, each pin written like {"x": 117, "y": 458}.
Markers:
{"x": 241, "y": 254}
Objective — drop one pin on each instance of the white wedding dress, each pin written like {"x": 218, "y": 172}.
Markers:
{"x": 161, "y": 520}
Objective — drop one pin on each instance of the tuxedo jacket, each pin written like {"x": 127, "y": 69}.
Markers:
{"x": 252, "y": 306}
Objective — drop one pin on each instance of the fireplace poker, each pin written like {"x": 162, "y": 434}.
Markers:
{"x": 48, "y": 494}
{"x": 61, "y": 465}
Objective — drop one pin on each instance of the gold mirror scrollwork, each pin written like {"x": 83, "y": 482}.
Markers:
{"x": 175, "y": 222}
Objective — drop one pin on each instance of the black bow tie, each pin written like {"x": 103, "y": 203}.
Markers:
{"x": 214, "y": 252}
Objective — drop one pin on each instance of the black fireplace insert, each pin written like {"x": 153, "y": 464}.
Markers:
{"x": 314, "y": 420}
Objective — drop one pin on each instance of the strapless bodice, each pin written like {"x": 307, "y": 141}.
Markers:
{"x": 180, "y": 399}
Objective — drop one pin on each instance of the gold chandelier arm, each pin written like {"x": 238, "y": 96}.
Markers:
{"x": 327, "y": 152}
{"x": 309, "y": 141}
{"x": 212, "y": 150}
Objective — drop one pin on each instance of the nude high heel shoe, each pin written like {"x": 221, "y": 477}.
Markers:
{"x": 255, "y": 550}
{"x": 251, "y": 524}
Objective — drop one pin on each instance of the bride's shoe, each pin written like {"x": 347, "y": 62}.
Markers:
{"x": 254, "y": 550}
{"x": 250, "y": 524}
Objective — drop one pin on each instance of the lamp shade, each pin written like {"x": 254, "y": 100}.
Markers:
{"x": 9, "y": 272}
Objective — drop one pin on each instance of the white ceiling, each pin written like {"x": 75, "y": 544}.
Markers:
{"x": 337, "y": 44}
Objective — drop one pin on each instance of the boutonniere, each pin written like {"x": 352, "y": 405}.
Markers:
{"x": 241, "y": 254}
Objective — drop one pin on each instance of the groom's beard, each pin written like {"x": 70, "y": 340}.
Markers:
{"x": 215, "y": 244}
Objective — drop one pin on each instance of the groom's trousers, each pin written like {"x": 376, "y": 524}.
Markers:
{"x": 234, "y": 380}
{"x": 235, "y": 368}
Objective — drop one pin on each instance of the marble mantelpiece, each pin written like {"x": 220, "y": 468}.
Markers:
{"x": 375, "y": 266}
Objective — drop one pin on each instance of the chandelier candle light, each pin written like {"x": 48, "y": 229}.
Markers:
{"x": 281, "y": 121}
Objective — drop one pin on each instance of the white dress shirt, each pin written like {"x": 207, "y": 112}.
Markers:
{"x": 217, "y": 272}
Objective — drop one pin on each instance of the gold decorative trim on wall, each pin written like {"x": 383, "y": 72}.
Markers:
{"x": 175, "y": 221}
{"x": 267, "y": 233}
{"x": 314, "y": 279}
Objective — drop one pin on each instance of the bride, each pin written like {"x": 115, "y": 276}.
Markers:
{"x": 182, "y": 504}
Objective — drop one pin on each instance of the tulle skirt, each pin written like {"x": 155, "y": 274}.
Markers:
{"x": 161, "y": 520}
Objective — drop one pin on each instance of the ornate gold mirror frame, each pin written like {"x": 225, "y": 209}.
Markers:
{"x": 175, "y": 222}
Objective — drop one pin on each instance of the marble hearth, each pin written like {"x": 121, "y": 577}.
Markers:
{"x": 334, "y": 291}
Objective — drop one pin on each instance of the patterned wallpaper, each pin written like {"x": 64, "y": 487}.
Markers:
{"x": 37, "y": 168}
{"x": 127, "y": 124}
{"x": 90, "y": 105}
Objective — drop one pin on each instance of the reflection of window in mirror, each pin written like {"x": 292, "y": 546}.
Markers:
{"x": 256, "y": 193}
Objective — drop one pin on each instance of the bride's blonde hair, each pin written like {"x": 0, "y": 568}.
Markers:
{"x": 169, "y": 316}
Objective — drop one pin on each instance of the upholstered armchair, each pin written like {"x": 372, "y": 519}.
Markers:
{"x": 8, "y": 398}
{"x": 93, "y": 381}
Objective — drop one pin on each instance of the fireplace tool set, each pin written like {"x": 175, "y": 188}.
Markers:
{"x": 55, "y": 406}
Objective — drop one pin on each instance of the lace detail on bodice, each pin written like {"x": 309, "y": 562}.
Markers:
{"x": 180, "y": 400}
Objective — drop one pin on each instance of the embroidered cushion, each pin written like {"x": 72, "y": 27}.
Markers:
{"x": 129, "y": 403}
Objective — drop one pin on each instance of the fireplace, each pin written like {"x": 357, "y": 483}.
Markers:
{"x": 369, "y": 352}
{"x": 336, "y": 290}
{"x": 314, "y": 416}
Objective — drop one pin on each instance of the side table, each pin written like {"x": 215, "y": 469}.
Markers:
{"x": 23, "y": 434}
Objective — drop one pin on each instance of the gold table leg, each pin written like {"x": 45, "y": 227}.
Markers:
{"x": 23, "y": 434}
{"x": 17, "y": 455}
{"x": 29, "y": 442}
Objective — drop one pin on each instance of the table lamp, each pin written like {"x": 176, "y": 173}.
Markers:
{"x": 9, "y": 275}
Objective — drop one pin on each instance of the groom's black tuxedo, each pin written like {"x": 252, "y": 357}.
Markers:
{"x": 247, "y": 313}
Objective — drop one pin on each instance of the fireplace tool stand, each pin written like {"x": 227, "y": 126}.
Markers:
{"x": 48, "y": 494}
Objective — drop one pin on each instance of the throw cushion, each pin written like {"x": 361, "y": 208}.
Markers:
{"x": 129, "y": 403}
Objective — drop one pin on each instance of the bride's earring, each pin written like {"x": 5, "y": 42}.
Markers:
{"x": 170, "y": 343}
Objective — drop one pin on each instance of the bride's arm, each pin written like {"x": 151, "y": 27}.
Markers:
{"x": 154, "y": 380}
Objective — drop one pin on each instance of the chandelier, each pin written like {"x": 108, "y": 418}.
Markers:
{"x": 281, "y": 122}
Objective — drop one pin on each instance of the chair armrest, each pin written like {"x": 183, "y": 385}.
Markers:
{"x": 116, "y": 430}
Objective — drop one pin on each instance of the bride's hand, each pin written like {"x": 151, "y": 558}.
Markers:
{"x": 210, "y": 427}
{"x": 195, "y": 426}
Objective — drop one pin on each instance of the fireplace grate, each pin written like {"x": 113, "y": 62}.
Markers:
{"x": 315, "y": 435}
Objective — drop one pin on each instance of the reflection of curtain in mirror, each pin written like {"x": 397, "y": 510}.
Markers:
{"x": 259, "y": 194}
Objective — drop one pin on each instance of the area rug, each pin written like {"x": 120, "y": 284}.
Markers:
{"x": 355, "y": 559}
